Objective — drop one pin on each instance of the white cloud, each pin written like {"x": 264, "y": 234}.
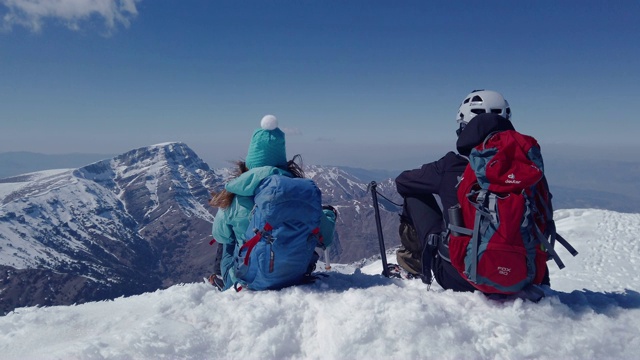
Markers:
{"x": 33, "y": 13}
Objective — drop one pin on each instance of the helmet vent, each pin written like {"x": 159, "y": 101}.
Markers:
{"x": 482, "y": 102}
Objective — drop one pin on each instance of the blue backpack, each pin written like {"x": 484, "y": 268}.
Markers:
{"x": 283, "y": 232}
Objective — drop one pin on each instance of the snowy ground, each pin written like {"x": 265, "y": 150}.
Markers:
{"x": 593, "y": 313}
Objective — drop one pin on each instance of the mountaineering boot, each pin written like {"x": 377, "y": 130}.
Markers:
{"x": 216, "y": 280}
{"x": 397, "y": 271}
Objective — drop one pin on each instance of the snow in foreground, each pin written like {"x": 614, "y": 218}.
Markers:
{"x": 593, "y": 313}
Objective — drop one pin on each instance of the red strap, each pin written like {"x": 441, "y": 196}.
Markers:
{"x": 249, "y": 245}
{"x": 253, "y": 241}
{"x": 316, "y": 232}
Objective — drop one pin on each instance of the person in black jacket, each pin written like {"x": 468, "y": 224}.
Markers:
{"x": 481, "y": 113}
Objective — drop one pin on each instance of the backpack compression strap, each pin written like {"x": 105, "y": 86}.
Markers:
{"x": 249, "y": 245}
{"x": 473, "y": 276}
{"x": 550, "y": 236}
{"x": 549, "y": 246}
{"x": 486, "y": 209}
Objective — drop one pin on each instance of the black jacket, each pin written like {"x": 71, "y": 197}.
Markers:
{"x": 441, "y": 177}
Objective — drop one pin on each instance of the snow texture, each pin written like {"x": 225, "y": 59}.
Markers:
{"x": 592, "y": 312}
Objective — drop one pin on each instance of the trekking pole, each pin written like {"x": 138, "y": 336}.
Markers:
{"x": 383, "y": 254}
{"x": 327, "y": 264}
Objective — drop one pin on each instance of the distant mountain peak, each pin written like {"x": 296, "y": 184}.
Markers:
{"x": 173, "y": 153}
{"x": 167, "y": 143}
{"x": 135, "y": 222}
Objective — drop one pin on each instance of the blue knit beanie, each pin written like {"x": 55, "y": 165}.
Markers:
{"x": 267, "y": 146}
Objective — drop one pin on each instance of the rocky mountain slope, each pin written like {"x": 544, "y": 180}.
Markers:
{"x": 139, "y": 222}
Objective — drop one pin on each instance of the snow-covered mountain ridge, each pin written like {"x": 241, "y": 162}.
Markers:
{"x": 115, "y": 227}
{"x": 137, "y": 222}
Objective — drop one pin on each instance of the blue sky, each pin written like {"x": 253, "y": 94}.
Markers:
{"x": 362, "y": 82}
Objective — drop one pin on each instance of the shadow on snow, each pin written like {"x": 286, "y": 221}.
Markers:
{"x": 606, "y": 303}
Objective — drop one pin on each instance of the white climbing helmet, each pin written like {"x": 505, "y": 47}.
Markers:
{"x": 480, "y": 102}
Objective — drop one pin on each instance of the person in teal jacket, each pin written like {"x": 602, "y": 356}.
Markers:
{"x": 266, "y": 156}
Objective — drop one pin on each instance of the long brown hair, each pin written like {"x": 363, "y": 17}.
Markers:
{"x": 223, "y": 198}
{"x": 294, "y": 168}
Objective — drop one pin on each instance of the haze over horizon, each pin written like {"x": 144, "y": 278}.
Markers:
{"x": 381, "y": 159}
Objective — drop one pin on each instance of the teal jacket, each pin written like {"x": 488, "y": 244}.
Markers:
{"x": 230, "y": 224}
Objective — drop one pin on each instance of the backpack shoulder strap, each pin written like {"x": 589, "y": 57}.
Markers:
{"x": 473, "y": 275}
{"x": 550, "y": 236}
{"x": 566, "y": 245}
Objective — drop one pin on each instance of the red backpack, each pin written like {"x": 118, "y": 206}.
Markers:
{"x": 505, "y": 232}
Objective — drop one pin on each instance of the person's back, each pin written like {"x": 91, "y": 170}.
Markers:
{"x": 266, "y": 158}
{"x": 480, "y": 114}
{"x": 283, "y": 233}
